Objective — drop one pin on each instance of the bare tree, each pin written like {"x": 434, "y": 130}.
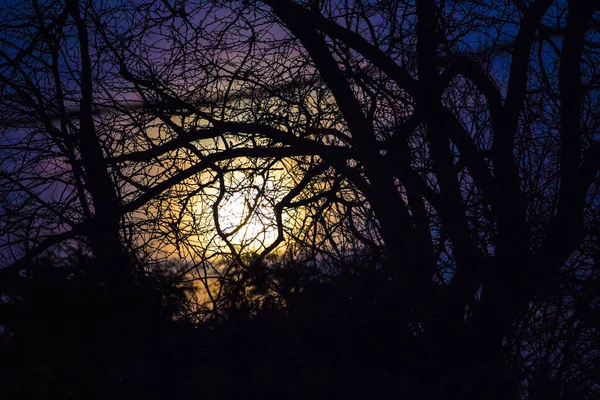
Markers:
{"x": 456, "y": 141}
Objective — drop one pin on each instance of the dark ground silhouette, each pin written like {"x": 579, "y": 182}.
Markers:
{"x": 67, "y": 335}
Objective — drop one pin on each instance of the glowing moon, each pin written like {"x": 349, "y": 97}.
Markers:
{"x": 247, "y": 224}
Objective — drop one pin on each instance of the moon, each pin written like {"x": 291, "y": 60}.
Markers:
{"x": 247, "y": 222}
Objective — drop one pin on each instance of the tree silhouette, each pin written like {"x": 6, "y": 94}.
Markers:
{"x": 65, "y": 331}
{"x": 436, "y": 160}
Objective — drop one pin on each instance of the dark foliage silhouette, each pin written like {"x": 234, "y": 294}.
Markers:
{"x": 67, "y": 336}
